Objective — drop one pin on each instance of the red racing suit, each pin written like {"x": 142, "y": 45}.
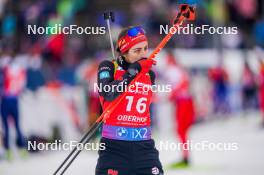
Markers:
{"x": 131, "y": 120}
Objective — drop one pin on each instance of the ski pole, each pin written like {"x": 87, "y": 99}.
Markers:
{"x": 93, "y": 128}
{"x": 89, "y": 134}
{"x": 107, "y": 17}
{"x": 86, "y": 140}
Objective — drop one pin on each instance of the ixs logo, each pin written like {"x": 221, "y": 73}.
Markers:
{"x": 112, "y": 172}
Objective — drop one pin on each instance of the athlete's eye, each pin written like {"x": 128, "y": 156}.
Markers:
{"x": 137, "y": 51}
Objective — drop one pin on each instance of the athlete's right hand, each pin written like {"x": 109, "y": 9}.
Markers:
{"x": 143, "y": 65}
{"x": 146, "y": 64}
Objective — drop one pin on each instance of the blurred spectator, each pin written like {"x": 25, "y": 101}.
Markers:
{"x": 94, "y": 106}
{"x": 260, "y": 82}
{"x": 151, "y": 14}
{"x": 67, "y": 70}
{"x": 182, "y": 100}
{"x": 249, "y": 88}
{"x": 258, "y": 32}
{"x": 13, "y": 82}
{"x": 219, "y": 78}
{"x": 35, "y": 77}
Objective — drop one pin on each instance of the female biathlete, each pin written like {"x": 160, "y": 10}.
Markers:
{"x": 129, "y": 149}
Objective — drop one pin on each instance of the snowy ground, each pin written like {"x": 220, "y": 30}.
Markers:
{"x": 247, "y": 160}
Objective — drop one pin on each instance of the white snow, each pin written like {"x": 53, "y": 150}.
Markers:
{"x": 247, "y": 160}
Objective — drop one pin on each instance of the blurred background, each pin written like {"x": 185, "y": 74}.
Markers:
{"x": 51, "y": 81}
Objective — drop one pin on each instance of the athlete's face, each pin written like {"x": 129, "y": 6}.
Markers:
{"x": 137, "y": 52}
